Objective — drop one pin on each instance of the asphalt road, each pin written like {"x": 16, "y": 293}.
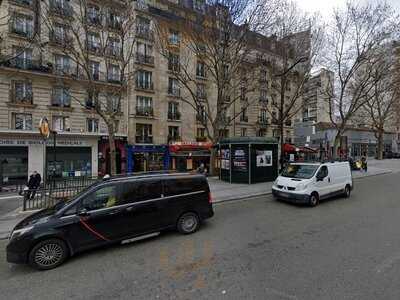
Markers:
{"x": 9, "y": 204}
{"x": 253, "y": 249}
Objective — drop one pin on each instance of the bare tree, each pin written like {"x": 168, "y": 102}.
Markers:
{"x": 379, "y": 109}
{"x": 299, "y": 42}
{"x": 98, "y": 44}
{"x": 356, "y": 31}
{"x": 221, "y": 38}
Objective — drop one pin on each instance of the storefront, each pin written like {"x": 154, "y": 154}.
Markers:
{"x": 104, "y": 155}
{"x": 145, "y": 158}
{"x": 25, "y": 152}
{"x": 187, "y": 156}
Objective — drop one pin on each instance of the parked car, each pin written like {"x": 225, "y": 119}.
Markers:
{"x": 120, "y": 209}
{"x": 311, "y": 182}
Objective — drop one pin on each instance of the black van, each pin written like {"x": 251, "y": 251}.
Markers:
{"x": 114, "y": 210}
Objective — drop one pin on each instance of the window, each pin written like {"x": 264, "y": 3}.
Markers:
{"x": 144, "y": 80}
{"x": 114, "y": 20}
{"x": 63, "y": 65}
{"x": 113, "y": 47}
{"x": 174, "y": 38}
{"x": 102, "y": 198}
{"x": 263, "y": 76}
{"x": 113, "y": 102}
{"x": 201, "y": 132}
{"x": 93, "y": 15}
{"x": 61, "y": 123}
{"x": 274, "y": 118}
{"x": 23, "y": 58}
{"x": 198, "y": 5}
{"x": 263, "y": 95}
{"x": 114, "y": 74}
{"x": 144, "y": 53}
{"x": 263, "y": 116}
{"x": 183, "y": 186}
{"x": 59, "y": 34}
{"x": 201, "y": 69}
{"x": 262, "y": 132}
{"x": 201, "y": 91}
{"x": 141, "y": 190}
{"x": 92, "y": 125}
{"x": 243, "y": 115}
{"x": 323, "y": 172}
{"x": 173, "y": 87}
{"x": 94, "y": 67}
{"x": 173, "y": 62}
{"x": 144, "y": 106}
{"x": 22, "y": 25}
{"x": 144, "y": 133}
{"x": 23, "y": 121}
{"x": 23, "y": 92}
{"x": 93, "y": 42}
{"x": 223, "y": 133}
{"x": 173, "y": 133}
{"x": 243, "y": 131}
{"x": 92, "y": 99}
{"x": 143, "y": 27}
{"x": 61, "y": 97}
{"x": 173, "y": 111}
{"x": 201, "y": 114}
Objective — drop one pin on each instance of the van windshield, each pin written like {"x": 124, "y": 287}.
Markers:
{"x": 299, "y": 171}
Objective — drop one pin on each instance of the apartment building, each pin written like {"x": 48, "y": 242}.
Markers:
{"x": 156, "y": 129}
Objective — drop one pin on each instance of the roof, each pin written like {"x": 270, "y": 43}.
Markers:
{"x": 248, "y": 140}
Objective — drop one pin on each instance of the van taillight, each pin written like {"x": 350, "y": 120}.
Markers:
{"x": 209, "y": 197}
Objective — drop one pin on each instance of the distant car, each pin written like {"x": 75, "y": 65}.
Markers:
{"x": 115, "y": 210}
{"x": 309, "y": 183}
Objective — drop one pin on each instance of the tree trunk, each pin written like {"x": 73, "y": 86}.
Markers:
{"x": 380, "y": 144}
{"x": 111, "y": 139}
{"x": 281, "y": 142}
{"x": 213, "y": 158}
{"x": 336, "y": 145}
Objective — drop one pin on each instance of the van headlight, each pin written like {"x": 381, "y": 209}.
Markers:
{"x": 20, "y": 232}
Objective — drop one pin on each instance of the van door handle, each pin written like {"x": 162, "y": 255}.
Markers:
{"x": 329, "y": 179}
{"x": 130, "y": 208}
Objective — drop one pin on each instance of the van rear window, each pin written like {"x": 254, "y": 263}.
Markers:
{"x": 177, "y": 186}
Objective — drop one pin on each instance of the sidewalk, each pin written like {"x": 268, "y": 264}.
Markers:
{"x": 223, "y": 191}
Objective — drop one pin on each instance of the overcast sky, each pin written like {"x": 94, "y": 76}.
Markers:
{"x": 325, "y": 6}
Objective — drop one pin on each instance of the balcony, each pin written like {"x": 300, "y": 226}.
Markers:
{"x": 26, "y": 33}
{"x": 62, "y": 9}
{"x": 174, "y": 67}
{"x": 262, "y": 122}
{"x": 26, "y": 64}
{"x": 174, "y": 115}
{"x": 142, "y": 85}
{"x": 144, "y": 111}
{"x": 61, "y": 40}
{"x": 93, "y": 48}
{"x": 94, "y": 20}
{"x": 113, "y": 51}
{"x": 114, "y": 78}
{"x": 145, "y": 33}
{"x": 24, "y": 3}
{"x": 144, "y": 59}
{"x": 63, "y": 70}
{"x": 144, "y": 139}
{"x": 114, "y": 24}
{"x": 175, "y": 92}
{"x": 26, "y": 99}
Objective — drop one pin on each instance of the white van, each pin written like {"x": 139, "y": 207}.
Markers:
{"x": 310, "y": 182}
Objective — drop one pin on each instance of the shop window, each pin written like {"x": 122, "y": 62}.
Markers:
{"x": 92, "y": 125}
{"x": 61, "y": 123}
{"x": 22, "y": 121}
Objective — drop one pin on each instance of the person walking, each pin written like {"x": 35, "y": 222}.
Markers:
{"x": 364, "y": 164}
{"x": 33, "y": 184}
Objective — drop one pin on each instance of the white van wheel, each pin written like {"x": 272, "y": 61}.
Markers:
{"x": 347, "y": 191}
{"x": 314, "y": 199}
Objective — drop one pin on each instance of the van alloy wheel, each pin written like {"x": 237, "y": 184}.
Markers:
{"x": 313, "y": 200}
{"x": 347, "y": 191}
{"x": 48, "y": 254}
{"x": 188, "y": 223}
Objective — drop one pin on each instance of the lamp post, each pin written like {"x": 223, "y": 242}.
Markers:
{"x": 54, "y": 132}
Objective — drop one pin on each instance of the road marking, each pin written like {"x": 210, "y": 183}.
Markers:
{"x": 10, "y": 197}
{"x": 388, "y": 263}
{"x": 281, "y": 294}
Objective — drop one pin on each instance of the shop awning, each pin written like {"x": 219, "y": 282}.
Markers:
{"x": 288, "y": 148}
{"x": 189, "y": 146}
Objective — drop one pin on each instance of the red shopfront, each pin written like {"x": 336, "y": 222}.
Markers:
{"x": 187, "y": 156}
{"x": 104, "y": 156}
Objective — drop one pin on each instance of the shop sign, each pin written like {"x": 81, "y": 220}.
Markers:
{"x": 181, "y": 146}
{"x": 61, "y": 142}
{"x": 264, "y": 158}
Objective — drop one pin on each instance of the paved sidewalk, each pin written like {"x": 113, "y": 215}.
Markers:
{"x": 224, "y": 191}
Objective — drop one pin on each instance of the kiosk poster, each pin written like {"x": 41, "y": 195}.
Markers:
{"x": 225, "y": 159}
{"x": 240, "y": 160}
{"x": 264, "y": 158}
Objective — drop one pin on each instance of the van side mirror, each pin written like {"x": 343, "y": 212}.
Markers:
{"x": 320, "y": 177}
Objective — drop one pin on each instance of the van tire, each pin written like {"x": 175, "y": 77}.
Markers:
{"x": 347, "y": 191}
{"x": 48, "y": 254}
{"x": 188, "y": 223}
{"x": 314, "y": 199}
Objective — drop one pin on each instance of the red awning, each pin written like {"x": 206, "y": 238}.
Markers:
{"x": 189, "y": 146}
{"x": 307, "y": 150}
{"x": 288, "y": 148}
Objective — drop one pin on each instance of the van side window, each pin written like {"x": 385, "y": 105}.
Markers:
{"x": 323, "y": 172}
{"x": 102, "y": 198}
{"x": 182, "y": 186}
{"x": 141, "y": 190}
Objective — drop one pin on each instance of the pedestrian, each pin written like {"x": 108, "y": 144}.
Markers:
{"x": 201, "y": 169}
{"x": 33, "y": 184}
{"x": 364, "y": 164}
